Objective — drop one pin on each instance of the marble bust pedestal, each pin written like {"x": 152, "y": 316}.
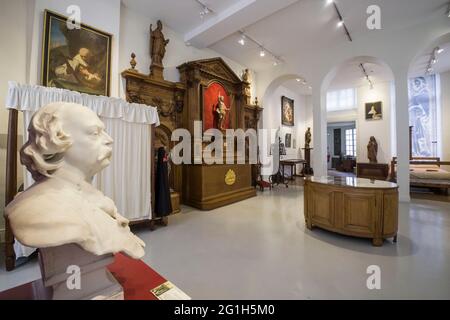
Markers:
{"x": 59, "y": 266}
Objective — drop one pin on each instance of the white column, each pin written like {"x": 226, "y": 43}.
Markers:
{"x": 319, "y": 130}
{"x": 402, "y": 129}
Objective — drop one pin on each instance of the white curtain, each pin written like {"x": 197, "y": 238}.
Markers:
{"x": 127, "y": 180}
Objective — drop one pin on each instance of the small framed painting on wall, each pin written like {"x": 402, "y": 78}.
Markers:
{"x": 287, "y": 111}
{"x": 374, "y": 111}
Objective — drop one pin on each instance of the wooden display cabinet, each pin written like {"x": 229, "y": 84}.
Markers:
{"x": 355, "y": 207}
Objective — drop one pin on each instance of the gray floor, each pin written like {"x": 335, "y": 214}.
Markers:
{"x": 260, "y": 249}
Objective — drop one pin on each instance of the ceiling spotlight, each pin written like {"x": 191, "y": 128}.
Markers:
{"x": 298, "y": 79}
{"x": 246, "y": 39}
{"x": 439, "y": 50}
{"x": 329, "y": 2}
{"x": 433, "y": 61}
{"x": 340, "y": 23}
{"x": 204, "y": 9}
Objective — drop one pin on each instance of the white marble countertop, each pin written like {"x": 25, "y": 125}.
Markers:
{"x": 353, "y": 182}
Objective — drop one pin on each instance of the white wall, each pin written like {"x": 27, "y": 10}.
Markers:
{"x": 397, "y": 47}
{"x": 445, "y": 115}
{"x": 380, "y": 129}
{"x": 135, "y": 37}
{"x": 101, "y": 14}
{"x": 12, "y": 67}
{"x": 21, "y": 26}
{"x": 272, "y": 120}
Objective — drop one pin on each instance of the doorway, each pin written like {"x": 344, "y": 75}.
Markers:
{"x": 341, "y": 147}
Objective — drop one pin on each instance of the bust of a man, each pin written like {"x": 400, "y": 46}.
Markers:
{"x": 67, "y": 146}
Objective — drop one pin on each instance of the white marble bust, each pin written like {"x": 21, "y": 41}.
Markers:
{"x": 67, "y": 146}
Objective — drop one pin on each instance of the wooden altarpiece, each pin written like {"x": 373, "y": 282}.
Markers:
{"x": 180, "y": 104}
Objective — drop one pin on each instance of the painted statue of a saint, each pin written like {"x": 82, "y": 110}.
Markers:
{"x": 221, "y": 111}
{"x": 157, "y": 44}
{"x": 372, "y": 150}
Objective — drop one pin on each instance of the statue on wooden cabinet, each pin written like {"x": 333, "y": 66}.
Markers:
{"x": 246, "y": 76}
{"x": 221, "y": 111}
{"x": 308, "y": 138}
{"x": 158, "y": 44}
{"x": 372, "y": 150}
{"x": 67, "y": 147}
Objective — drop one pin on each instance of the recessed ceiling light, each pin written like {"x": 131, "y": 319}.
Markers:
{"x": 340, "y": 23}
{"x": 440, "y": 50}
{"x": 298, "y": 79}
{"x": 434, "y": 61}
{"x": 242, "y": 41}
{"x": 262, "y": 53}
{"x": 329, "y": 2}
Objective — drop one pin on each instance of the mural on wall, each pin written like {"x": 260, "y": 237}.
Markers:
{"x": 75, "y": 59}
{"x": 216, "y": 107}
{"x": 374, "y": 111}
{"x": 423, "y": 116}
{"x": 287, "y": 111}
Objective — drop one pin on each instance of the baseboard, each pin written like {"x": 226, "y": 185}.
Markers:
{"x": 2, "y": 235}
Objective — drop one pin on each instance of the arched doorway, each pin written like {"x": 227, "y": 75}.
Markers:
{"x": 287, "y": 115}
{"x": 359, "y": 98}
{"x": 429, "y": 111}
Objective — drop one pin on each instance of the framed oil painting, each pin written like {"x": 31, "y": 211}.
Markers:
{"x": 374, "y": 111}
{"x": 287, "y": 140}
{"x": 77, "y": 59}
{"x": 287, "y": 111}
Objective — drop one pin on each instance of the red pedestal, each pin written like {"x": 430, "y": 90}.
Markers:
{"x": 135, "y": 277}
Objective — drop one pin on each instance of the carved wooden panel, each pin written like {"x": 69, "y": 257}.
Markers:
{"x": 322, "y": 207}
{"x": 359, "y": 212}
{"x": 168, "y": 98}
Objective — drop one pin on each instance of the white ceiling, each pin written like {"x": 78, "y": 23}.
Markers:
{"x": 350, "y": 75}
{"x": 443, "y": 61}
{"x": 179, "y": 15}
{"x": 310, "y": 25}
{"x": 285, "y": 27}
{"x": 297, "y": 87}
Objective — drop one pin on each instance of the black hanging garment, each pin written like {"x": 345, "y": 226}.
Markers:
{"x": 163, "y": 205}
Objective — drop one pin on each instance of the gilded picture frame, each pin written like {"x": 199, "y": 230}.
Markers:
{"x": 77, "y": 59}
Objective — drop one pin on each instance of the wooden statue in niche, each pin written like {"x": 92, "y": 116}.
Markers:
{"x": 158, "y": 45}
{"x": 217, "y": 107}
{"x": 221, "y": 111}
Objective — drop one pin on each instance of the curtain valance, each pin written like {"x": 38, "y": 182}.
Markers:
{"x": 31, "y": 97}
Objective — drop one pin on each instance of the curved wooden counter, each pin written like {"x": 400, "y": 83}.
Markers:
{"x": 352, "y": 206}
